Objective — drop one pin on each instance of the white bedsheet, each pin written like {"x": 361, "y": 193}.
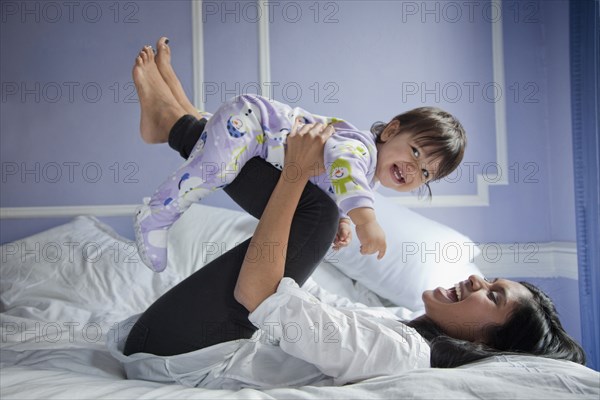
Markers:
{"x": 515, "y": 377}
{"x": 55, "y": 313}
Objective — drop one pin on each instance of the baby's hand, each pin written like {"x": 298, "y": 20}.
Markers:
{"x": 372, "y": 239}
{"x": 344, "y": 234}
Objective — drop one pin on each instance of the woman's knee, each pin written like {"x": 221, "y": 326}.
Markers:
{"x": 322, "y": 215}
{"x": 328, "y": 212}
{"x": 330, "y": 215}
{"x": 185, "y": 134}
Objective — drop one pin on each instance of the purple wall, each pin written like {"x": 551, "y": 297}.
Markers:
{"x": 358, "y": 74}
{"x": 362, "y": 60}
{"x": 82, "y": 146}
{"x": 560, "y": 154}
{"x": 538, "y": 204}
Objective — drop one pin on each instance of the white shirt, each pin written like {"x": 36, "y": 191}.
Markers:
{"x": 301, "y": 341}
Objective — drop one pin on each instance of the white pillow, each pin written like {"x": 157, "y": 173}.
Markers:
{"x": 203, "y": 233}
{"x": 421, "y": 254}
{"x": 82, "y": 269}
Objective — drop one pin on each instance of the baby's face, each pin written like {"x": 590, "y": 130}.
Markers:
{"x": 401, "y": 164}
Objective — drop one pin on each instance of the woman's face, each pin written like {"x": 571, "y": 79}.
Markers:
{"x": 465, "y": 310}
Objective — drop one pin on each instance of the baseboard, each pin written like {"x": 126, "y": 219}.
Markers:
{"x": 529, "y": 260}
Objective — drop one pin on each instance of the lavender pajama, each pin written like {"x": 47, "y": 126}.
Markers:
{"x": 242, "y": 128}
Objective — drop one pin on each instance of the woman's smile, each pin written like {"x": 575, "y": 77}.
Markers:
{"x": 451, "y": 295}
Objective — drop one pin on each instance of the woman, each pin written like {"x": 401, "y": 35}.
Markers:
{"x": 203, "y": 332}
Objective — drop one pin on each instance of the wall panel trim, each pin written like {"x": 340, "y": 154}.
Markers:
{"x": 198, "y": 53}
{"x": 117, "y": 210}
{"x": 482, "y": 197}
{"x": 529, "y": 260}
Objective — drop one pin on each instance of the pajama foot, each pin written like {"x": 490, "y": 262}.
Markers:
{"x": 151, "y": 243}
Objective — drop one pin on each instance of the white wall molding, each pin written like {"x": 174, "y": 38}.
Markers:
{"x": 531, "y": 260}
{"x": 264, "y": 48}
{"x": 198, "y": 53}
{"x": 118, "y": 210}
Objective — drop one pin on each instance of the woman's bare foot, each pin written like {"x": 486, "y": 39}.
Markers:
{"x": 160, "y": 110}
{"x": 163, "y": 62}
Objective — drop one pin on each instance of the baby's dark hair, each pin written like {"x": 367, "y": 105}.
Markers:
{"x": 437, "y": 132}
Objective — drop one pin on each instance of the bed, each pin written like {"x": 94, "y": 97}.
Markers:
{"x": 64, "y": 288}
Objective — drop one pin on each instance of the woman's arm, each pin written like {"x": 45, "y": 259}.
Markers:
{"x": 264, "y": 264}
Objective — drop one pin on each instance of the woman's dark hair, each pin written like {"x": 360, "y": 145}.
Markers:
{"x": 532, "y": 328}
{"x": 436, "y": 131}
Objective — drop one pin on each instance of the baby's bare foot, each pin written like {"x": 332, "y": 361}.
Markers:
{"x": 160, "y": 110}
{"x": 163, "y": 62}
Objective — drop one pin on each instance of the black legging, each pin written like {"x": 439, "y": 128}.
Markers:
{"x": 201, "y": 310}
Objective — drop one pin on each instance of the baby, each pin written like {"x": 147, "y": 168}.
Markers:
{"x": 414, "y": 148}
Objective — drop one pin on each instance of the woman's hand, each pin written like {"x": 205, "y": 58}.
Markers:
{"x": 304, "y": 152}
